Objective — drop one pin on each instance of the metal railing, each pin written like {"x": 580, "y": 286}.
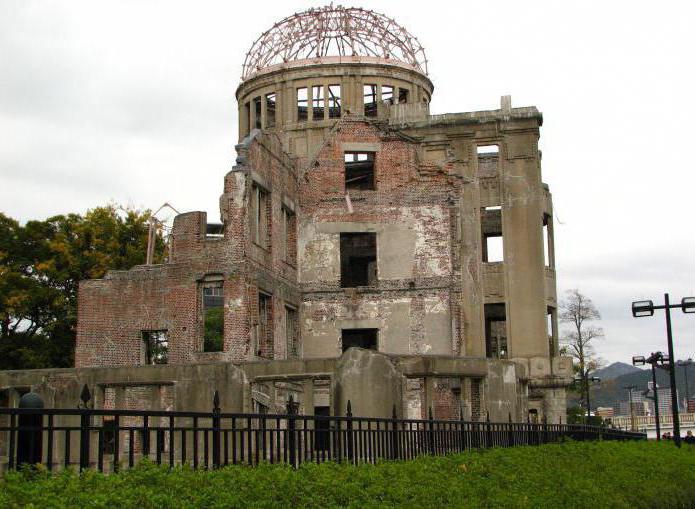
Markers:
{"x": 111, "y": 439}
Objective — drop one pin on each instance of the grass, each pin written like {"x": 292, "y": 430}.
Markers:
{"x": 573, "y": 474}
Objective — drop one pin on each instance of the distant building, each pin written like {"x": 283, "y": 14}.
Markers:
{"x": 690, "y": 408}
{"x": 664, "y": 394}
{"x": 605, "y": 411}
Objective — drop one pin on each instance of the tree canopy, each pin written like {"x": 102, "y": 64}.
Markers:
{"x": 41, "y": 265}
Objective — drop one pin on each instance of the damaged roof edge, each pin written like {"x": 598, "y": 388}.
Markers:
{"x": 476, "y": 117}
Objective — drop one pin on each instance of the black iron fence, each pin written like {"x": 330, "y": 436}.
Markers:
{"x": 111, "y": 439}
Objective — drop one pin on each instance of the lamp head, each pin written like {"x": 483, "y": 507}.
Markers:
{"x": 642, "y": 308}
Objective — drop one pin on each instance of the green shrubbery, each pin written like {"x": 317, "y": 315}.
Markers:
{"x": 598, "y": 474}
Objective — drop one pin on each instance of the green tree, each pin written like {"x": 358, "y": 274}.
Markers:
{"x": 41, "y": 265}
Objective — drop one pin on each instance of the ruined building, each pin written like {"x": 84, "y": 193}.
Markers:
{"x": 351, "y": 218}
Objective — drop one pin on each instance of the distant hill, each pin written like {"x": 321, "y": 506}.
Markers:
{"x": 612, "y": 390}
{"x": 615, "y": 370}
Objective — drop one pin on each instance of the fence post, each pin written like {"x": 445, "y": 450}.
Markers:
{"x": 395, "y": 450}
{"x": 488, "y": 437}
{"x": 511, "y": 431}
{"x": 216, "y": 430}
{"x": 85, "y": 422}
{"x": 291, "y": 426}
{"x": 431, "y": 431}
{"x": 30, "y": 433}
{"x": 349, "y": 442}
{"x": 545, "y": 429}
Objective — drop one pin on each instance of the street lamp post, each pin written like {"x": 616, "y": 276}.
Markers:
{"x": 685, "y": 365}
{"x": 588, "y": 381}
{"x": 646, "y": 308}
{"x": 654, "y": 359}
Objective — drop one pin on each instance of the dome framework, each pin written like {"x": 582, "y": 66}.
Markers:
{"x": 334, "y": 31}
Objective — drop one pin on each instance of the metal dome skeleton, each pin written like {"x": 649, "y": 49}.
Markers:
{"x": 334, "y": 32}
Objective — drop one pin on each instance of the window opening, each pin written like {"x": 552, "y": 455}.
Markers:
{"x": 260, "y": 408}
{"x": 403, "y": 95}
{"x": 548, "y": 251}
{"x": 270, "y": 110}
{"x": 496, "y": 331}
{"x": 493, "y": 242}
{"x": 108, "y": 442}
{"x": 387, "y": 94}
{"x": 289, "y": 244}
{"x": 260, "y": 216}
{"x": 370, "y": 100}
{"x": 257, "y": 112}
{"x": 213, "y": 315}
{"x": 359, "y": 170}
{"x": 333, "y": 101}
{"x": 247, "y": 113}
{"x": 214, "y": 230}
{"x": 318, "y": 102}
{"x": 266, "y": 348}
{"x": 488, "y": 149}
{"x": 156, "y": 346}
{"x": 322, "y": 427}
{"x": 360, "y": 338}
{"x": 358, "y": 265}
{"x": 302, "y": 104}
{"x": 552, "y": 331}
{"x": 488, "y": 160}
{"x": 292, "y": 332}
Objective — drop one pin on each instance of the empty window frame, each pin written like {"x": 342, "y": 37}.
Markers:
{"x": 257, "y": 112}
{"x": 493, "y": 242}
{"x": 318, "y": 102}
{"x": 370, "y": 100}
{"x": 334, "y": 101}
{"x": 302, "y": 104}
{"x": 247, "y": 118}
{"x": 358, "y": 265}
{"x": 266, "y": 346}
{"x": 360, "y": 338}
{"x": 548, "y": 245}
{"x": 108, "y": 437}
{"x": 553, "y": 346}
{"x": 270, "y": 107}
{"x": 403, "y": 95}
{"x": 359, "y": 170}
{"x": 260, "y": 216}
{"x": 213, "y": 316}
{"x": 488, "y": 160}
{"x": 496, "y": 331}
{"x": 292, "y": 332}
{"x": 156, "y": 346}
{"x": 387, "y": 94}
{"x": 289, "y": 243}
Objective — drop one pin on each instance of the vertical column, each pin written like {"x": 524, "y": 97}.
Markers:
{"x": 522, "y": 223}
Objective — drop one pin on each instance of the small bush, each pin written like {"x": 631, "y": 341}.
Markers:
{"x": 573, "y": 474}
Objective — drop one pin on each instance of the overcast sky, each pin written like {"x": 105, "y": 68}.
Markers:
{"x": 133, "y": 102}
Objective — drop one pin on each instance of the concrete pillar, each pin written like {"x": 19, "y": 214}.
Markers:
{"x": 522, "y": 227}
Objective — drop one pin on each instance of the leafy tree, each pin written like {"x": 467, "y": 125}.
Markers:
{"x": 41, "y": 265}
{"x": 214, "y": 329}
{"x": 577, "y": 310}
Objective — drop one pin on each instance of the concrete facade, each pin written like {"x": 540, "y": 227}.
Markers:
{"x": 352, "y": 217}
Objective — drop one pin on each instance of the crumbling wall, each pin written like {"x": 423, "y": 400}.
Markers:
{"x": 114, "y": 311}
{"x": 411, "y": 213}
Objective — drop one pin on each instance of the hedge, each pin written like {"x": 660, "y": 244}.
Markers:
{"x": 573, "y": 474}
